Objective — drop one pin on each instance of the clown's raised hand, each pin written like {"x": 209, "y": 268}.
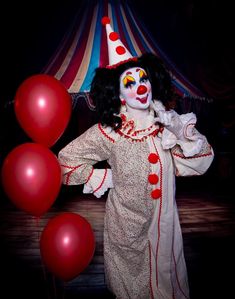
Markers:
{"x": 169, "y": 119}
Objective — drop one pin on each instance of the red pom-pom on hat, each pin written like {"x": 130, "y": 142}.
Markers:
{"x": 105, "y": 21}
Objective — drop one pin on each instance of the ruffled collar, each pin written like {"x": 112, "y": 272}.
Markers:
{"x": 138, "y": 129}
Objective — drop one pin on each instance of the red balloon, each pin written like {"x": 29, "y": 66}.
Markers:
{"x": 67, "y": 245}
{"x": 43, "y": 108}
{"x": 31, "y": 177}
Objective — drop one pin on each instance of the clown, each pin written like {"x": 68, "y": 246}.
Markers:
{"x": 146, "y": 145}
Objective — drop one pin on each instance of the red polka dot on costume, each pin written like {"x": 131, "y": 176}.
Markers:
{"x": 120, "y": 50}
{"x": 113, "y": 36}
{"x": 156, "y": 194}
{"x": 153, "y": 158}
{"x": 105, "y": 20}
{"x": 153, "y": 178}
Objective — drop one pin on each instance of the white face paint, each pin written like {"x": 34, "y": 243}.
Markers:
{"x": 135, "y": 88}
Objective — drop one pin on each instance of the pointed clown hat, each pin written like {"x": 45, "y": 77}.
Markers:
{"x": 117, "y": 52}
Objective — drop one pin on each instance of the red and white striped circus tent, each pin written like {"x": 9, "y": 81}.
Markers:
{"x": 84, "y": 47}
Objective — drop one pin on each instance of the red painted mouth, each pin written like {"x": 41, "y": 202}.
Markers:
{"x": 142, "y": 100}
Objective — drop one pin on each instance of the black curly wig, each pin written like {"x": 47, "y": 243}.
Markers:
{"x": 105, "y": 87}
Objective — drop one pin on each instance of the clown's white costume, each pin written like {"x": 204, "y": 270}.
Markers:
{"x": 143, "y": 248}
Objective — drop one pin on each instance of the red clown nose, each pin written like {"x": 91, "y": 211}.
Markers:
{"x": 142, "y": 89}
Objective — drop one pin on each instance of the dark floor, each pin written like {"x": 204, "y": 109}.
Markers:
{"x": 207, "y": 214}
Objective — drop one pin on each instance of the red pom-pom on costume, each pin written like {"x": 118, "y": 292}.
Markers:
{"x": 153, "y": 158}
{"x": 105, "y": 21}
{"x": 153, "y": 178}
{"x": 156, "y": 194}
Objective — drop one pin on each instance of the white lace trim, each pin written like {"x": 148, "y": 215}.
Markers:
{"x": 192, "y": 141}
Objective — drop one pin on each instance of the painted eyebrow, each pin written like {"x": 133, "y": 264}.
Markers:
{"x": 128, "y": 79}
{"x": 142, "y": 74}
{"x": 128, "y": 73}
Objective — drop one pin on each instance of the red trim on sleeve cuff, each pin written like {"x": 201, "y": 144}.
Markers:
{"x": 102, "y": 182}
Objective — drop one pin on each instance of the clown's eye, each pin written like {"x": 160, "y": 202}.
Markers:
{"x": 129, "y": 84}
{"x": 144, "y": 79}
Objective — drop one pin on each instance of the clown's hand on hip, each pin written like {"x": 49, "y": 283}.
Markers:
{"x": 169, "y": 119}
{"x": 99, "y": 182}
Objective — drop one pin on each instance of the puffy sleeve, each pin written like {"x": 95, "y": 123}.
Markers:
{"x": 77, "y": 160}
{"x": 192, "y": 154}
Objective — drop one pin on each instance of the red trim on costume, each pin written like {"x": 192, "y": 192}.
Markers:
{"x": 130, "y": 123}
{"x": 141, "y": 131}
{"x": 193, "y": 157}
{"x": 150, "y": 277}
{"x": 123, "y": 117}
{"x": 105, "y": 173}
{"x": 159, "y": 215}
{"x": 90, "y": 175}
{"x": 154, "y": 133}
{"x": 69, "y": 173}
{"x": 176, "y": 274}
{"x": 70, "y": 167}
{"x": 105, "y": 134}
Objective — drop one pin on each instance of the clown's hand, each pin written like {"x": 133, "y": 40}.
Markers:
{"x": 169, "y": 119}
